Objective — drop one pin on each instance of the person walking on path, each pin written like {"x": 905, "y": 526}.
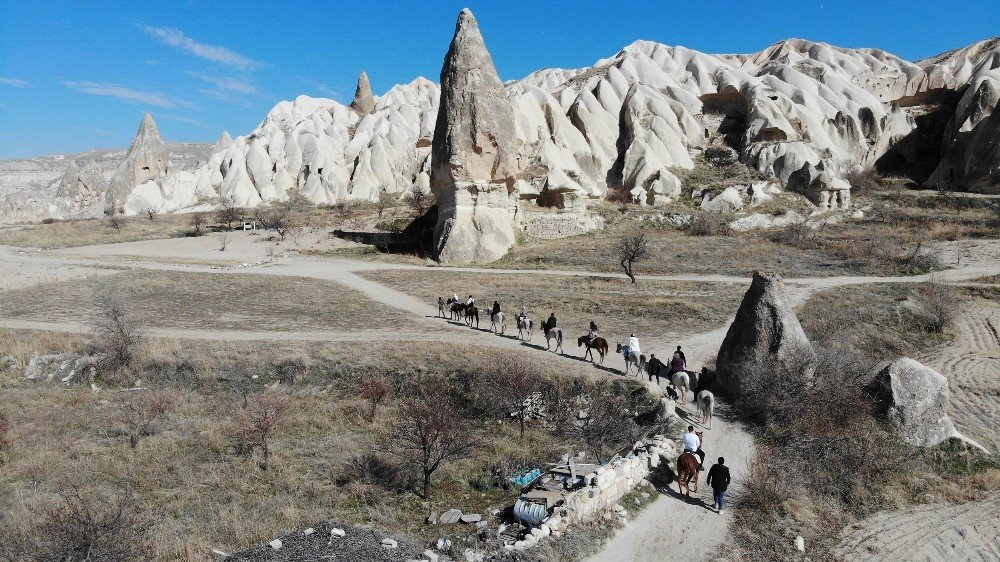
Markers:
{"x": 718, "y": 479}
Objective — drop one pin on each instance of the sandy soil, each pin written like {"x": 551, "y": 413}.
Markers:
{"x": 929, "y": 532}
{"x": 972, "y": 364}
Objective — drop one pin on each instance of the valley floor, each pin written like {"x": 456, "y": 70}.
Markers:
{"x": 671, "y": 526}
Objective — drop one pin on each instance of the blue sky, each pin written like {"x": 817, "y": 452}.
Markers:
{"x": 78, "y": 75}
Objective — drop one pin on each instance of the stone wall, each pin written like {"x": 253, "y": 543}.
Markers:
{"x": 604, "y": 489}
{"x": 549, "y": 226}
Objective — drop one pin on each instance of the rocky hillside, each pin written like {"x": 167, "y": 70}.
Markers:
{"x": 799, "y": 112}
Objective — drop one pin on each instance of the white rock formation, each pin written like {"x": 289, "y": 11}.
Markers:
{"x": 146, "y": 159}
{"x": 472, "y": 161}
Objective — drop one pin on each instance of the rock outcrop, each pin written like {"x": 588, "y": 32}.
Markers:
{"x": 82, "y": 191}
{"x": 472, "y": 156}
{"x": 146, "y": 159}
{"x": 915, "y": 399}
{"x": 364, "y": 102}
{"x": 765, "y": 334}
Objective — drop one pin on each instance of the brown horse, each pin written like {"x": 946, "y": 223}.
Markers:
{"x": 471, "y": 313}
{"x": 687, "y": 469}
{"x": 600, "y": 344}
{"x": 457, "y": 310}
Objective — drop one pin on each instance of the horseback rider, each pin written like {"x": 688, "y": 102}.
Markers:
{"x": 523, "y": 315}
{"x": 496, "y": 309}
{"x": 592, "y": 333}
{"x": 682, "y": 356}
{"x": 454, "y": 299}
{"x": 677, "y": 364}
{"x": 632, "y": 347}
{"x": 692, "y": 444}
{"x": 551, "y": 322}
{"x": 471, "y": 301}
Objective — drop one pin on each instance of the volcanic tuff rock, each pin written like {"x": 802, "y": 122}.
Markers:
{"x": 146, "y": 159}
{"x": 82, "y": 191}
{"x": 916, "y": 398}
{"x": 364, "y": 102}
{"x": 472, "y": 165}
{"x": 765, "y": 333}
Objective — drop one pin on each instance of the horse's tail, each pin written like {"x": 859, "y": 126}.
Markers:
{"x": 559, "y": 336}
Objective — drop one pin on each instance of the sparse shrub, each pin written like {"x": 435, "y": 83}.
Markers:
{"x": 864, "y": 181}
{"x": 721, "y": 156}
{"x": 375, "y": 390}
{"x": 608, "y": 426}
{"x": 430, "y": 432}
{"x": 117, "y": 331}
{"x": 115, "y": 222}
{"x": 257, "y": 421}
{"x": 384, "y": 200}
{"x": 941, "y": 304}
{"x": 5, "y": 426}
{"x": 509, "y": 380}
{"x": 223, "y": 241}
{"x": 284, "y": 217}
{"x": 800, "y": 235}
{"x": 139, "y": 410}
{"x": 48, "y": 220}
{"x": 419, "y": 199}
{"x": 706, "y": 225}
{"x": 81, "y": 529}
{"x": 632, "y": 248}
{"x": 150, "y": 212}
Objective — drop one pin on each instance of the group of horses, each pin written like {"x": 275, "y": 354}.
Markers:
{"x": 680, "y": 382}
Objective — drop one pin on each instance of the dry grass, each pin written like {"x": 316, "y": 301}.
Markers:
{"x": 327, "y": 457}
{"x": 618, "y": 306}
{"x": 206, "y": 301}
{"x": 881, "y": 321}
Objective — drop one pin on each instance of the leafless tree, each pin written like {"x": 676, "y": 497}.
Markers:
{"x": 258, "y": 419}
{"x": 223, "y": 241}
{"x": 430, "y": 432}
{"x": 418, "y": 199}
{"x": 117, "y": 330}
{"x": 228, "y": 212}
{"x": 284, "y": 217}
{"x": 608, "y": 426}
{"x": 510, "y": 381}
{"x": 374, "y": 389}
{"x": 115, "y": 222}
{"x": 139, "y": 410}
{"x": 81, "y": 529}
{"x": 150, "y": 212}
{"x": 197, "y": 221}
{"x": 384, "y": 199}
{"x": 632, "y": 248}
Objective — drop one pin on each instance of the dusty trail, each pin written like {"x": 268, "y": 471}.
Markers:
{"x": 928, "y": 532}
{"x": 684, "y": 528}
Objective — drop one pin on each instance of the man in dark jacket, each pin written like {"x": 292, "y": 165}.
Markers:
{"x": 653, "y": 368}
{"x": 718, "y": 479}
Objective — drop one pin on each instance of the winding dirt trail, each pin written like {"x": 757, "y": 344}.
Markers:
{"x": 684, "y": 528}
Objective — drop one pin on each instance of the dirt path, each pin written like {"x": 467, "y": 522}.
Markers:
{"x": 929, "y": 532}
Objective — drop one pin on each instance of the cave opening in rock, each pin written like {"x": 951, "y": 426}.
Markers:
{"x": 916, "y": 155}
{"x": 551, "y": 198}
{"x": 725, "y": 117}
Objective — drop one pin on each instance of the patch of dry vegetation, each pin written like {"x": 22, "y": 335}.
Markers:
{"x": 195, "y": 479}
{"x": 618, "y": 306}
{"x": 206, "y": 301}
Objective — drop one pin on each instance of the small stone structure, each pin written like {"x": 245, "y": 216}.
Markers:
{"x": 602, "y": 489}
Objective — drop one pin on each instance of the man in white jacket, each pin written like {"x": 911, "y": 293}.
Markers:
{"x": 633, "y": 345}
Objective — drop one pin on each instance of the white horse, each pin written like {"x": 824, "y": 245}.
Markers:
{"x": 554, "y": 334}
{"x": 524, "y": 326}
{"x": 636, "y": 359}
{"x": 706, "y": 404}
{"x": 496, "y": 321}
{"x": 682, "y": 382}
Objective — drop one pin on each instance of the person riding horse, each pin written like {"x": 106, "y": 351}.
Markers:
{"x": 523, "y": 315}
{"x": 496, "y": 309}
{"x": 592, "y": 333}
{"x": 677, "y": 364}
{"x": 632, "y": 347}
{"x": 692, "y": 444}
{"x": 471, "y": 301}
{"x": 550, "y": 323}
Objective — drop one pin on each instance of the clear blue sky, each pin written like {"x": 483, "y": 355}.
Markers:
{"x": 78, "y": 75}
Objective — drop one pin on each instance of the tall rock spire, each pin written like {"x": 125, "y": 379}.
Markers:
{"x": 364, "y": 102}
{"x": 146, "y": 158}
{"x": 472, "y": 164}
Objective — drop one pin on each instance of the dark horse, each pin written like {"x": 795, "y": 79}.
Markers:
{"x": 471, "y": 312}
{"x": 600, "y": 344}
{"x": 687, "y": 469}
{"x": 457, "y": 310}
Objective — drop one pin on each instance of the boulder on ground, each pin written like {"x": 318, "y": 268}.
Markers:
{"x": 765, "y": 333}
{"x": 915, "y": 398}
{"x": 63, "y": 367}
